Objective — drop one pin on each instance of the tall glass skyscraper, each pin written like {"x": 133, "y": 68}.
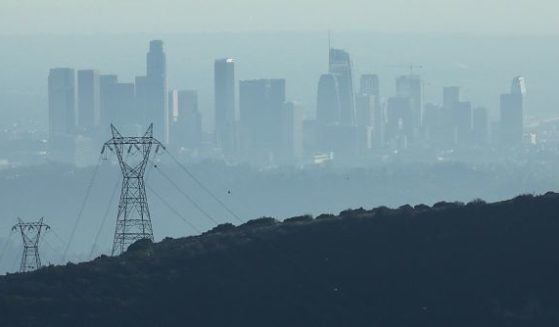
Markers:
{"x": 340, "y": 65}
{"x": 512, "y": 113}
{"x": 328, "y": 108}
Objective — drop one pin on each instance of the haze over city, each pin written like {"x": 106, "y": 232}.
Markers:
{"x": 174, "y": 16}
{"x": 133, "y": 133}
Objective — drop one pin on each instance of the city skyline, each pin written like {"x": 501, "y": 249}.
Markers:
{"x": 347, "y": 123}
{"x": 481, "y": 75}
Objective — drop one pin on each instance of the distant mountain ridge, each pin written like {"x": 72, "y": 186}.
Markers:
{"x": 451, "y": 264}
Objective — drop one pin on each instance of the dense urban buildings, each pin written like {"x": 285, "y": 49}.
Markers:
{"x": 347, "y": 126}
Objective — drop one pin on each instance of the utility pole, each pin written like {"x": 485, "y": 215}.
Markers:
{"x": 31, "y": 235}
{"x": 133, "y": 220}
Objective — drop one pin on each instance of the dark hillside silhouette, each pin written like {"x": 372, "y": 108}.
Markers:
{"x": 452, "y": 264}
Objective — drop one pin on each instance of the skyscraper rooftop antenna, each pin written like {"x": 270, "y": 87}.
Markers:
{"x": 133, "y": 220}
{"x": 31, "y": 235}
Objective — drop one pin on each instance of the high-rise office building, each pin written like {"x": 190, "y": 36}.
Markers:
{"x": 399, "y": 121}
{"x": 151, "y": 92}
{"x": 480, "y": 126}
{"x": 518, "y": 86}
{"x": 463, "y": 122}
{"x": 434, "y": 124}
{"x": 118, "y": 104}
{"x": 62, "y": 101}
{"x": 451, "y": 96}
{"x": 328, "y": 108}
{"x": 186, "y": 121}
{"x": 224, "y": 104}
{"x": 106, "y": 82}
{"x": 512, "y": 113}
{"x": 142, "y": 89}
{"x": 340, "y": 65}
{"x": 62, "y": 114}
{"x": 370, "y": 85}
{"x": 123, "y": 105}
{"x": 260, "y": 103}
{"x": 291, "y": 132}
{"x": 364, "y": 110}
{"x": 454, "y": 120}
{"x": 89, "y": 100}
{"x": 411, "y": 86}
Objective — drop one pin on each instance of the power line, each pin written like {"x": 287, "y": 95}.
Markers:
{"x": 190, "y": 199}
{"x": 105, "y": 216}
{"x": 5, "y": 245}
{"x": 60, "y": 239}
{"x": 173, "y": 210}
{"x": 82, "y": 208}
{"x": 207, "y": 190}
{"x": 53, "y": 249}
{"x": 322, "y": 281}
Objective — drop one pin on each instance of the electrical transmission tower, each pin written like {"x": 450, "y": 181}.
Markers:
{"x": 31, "y": 235}
{"x": 133, "y": 220}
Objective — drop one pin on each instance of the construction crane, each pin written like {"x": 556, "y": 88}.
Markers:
{"x": 411, "y": 67}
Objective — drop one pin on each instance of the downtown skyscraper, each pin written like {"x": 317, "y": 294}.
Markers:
{"x": 62, "y": 113}
{"x": 89, "y": 100}
{"x": 369, "y": 95}
{"x": 411, "y": 86}
{"x": 512, "y": 113}
{"x": 337, "y": 130}
{"x": 224, "y": 104}
{"x": 62, "y": 101}
{"x": 328, "y": 107}
{"x": 151, "y": 93}
{"x": 340, "y": 66}
{"x": 186, "y": 120}
{"x": 261, "y": 104}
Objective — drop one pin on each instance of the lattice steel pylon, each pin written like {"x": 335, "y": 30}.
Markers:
{"x": 31, "y": 235}
{"x": 133, "y": 220}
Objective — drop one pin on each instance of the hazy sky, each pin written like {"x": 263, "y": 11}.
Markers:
{"x": 157, "y": 16}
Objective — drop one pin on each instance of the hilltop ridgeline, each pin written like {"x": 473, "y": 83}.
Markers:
{"x": 452, "y": 264}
